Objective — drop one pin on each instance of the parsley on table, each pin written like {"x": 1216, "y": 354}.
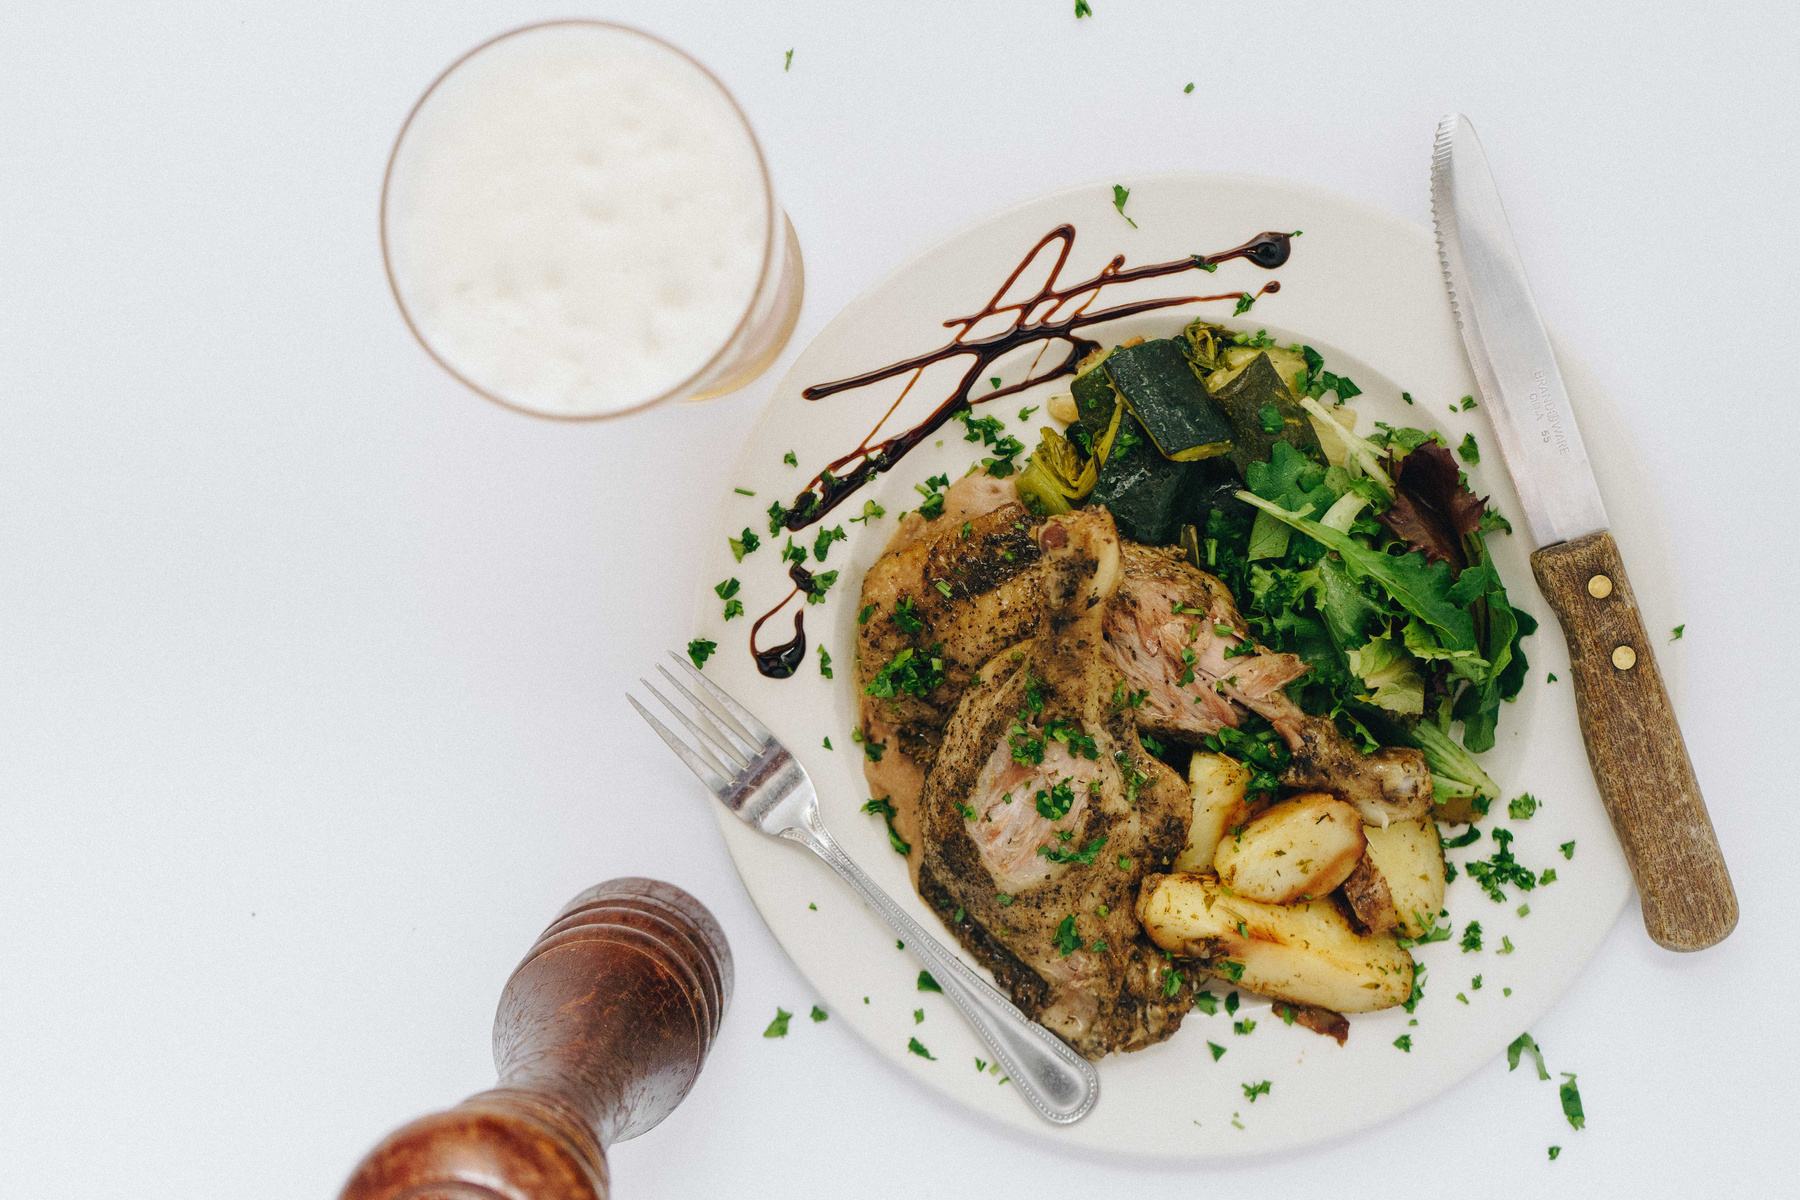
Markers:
{"x": 743, "y": 545}
{"x": 1675, "y": 634}
{"x": 1187, "y": 89}
{"x": 884, "y": 808}
{"x": 1245, "y": 300}
{"x": 790, "y": 460}
{"x": 1506, "y": 946}
{"x": 915, "y": 1046}
{"x": 870, "y": 512}
{"x": 993, "y": 382}
{"x": 1517, "y": 1049}
{"x": 1406, "y": 396}
{"x": 1549, "y": 876}
{"x": 825, "y": 663}
{"x": 1207, "y": 1003}
{"x": 1067, "y": 940}
{"x": 1571, "y": 1101}
{"x": 1231, "y": 1003}
{"x": 1218, "y": 1051}
{"x": 828, "y": 743}
{"x": 1243, "y": 1027}
{"x": 1475, "y": 984}
{"x": 743, "y": 491}
{"x": 1469, "y": 452}
{"x": 820, "y": 584}
{"x": 1568, "y": 850}
{"x": 778, "y": 1027}
{"x": 1524, "y": 910}
{"x": 1252, "y": 1091}
{"x": 1554, "y": 1151}
{"x": 822, "y": 544}
{"x": 918, "y": 1016}
{"x": 788, "y": 65}
{"x": 1404, "y": 1042}
{"x": 1120, "y": 195}
{"x": 1082, "y": 9}
{"x": 1550, "y": 678}
{"x": 927, "y": 983}
{"x": 734, "y": 608}
{"x": 1521, "y": 808}
{"x": 701, "y": 649}
{"x": 1468, "y": 402}
{"x": 792, "y": 553}
{"x": 1025, "y": 413}
{"x": 1471, "y": 938}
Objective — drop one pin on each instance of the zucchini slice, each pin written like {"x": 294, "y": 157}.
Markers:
{"x": 1262, "y": 412}
{"x": 1142, "y": 489}
{"x": 1158, "y": 384}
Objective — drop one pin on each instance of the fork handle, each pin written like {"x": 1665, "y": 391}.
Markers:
{"x": 1057, "y": 1082}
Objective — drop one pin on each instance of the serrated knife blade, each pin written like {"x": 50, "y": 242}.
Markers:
{"x": 1633, "y": 740}
{"x": 1509, "y": 350}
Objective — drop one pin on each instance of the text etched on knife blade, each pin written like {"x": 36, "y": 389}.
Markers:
{"x": 1544, "y": 412}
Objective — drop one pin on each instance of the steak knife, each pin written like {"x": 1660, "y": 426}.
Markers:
{"x": 1633, "y": 741}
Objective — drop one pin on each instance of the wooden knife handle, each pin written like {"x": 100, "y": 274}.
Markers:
{"x": 1634, "y": 745}
{"x": 601, "y": 1032}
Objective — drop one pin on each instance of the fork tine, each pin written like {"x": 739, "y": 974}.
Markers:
{"x": 739, "y": 747}
{"x": 754, "y": 731}
{"x": 715, "y": 783}
{"x": 729, "y": 761}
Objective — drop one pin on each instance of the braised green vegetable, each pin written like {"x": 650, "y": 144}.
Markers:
{"x": 1159, "y": 386}
{"x": 1141, "y": 488}
{"x": 1057, "y": 477}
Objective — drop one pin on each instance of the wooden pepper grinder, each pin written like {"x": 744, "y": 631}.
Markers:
{"x": 601, "y": 1032}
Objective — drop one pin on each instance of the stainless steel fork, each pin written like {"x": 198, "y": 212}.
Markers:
{"x": 736, "y": 756}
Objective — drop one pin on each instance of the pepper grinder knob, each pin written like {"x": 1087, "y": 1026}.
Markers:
{"x": 601, "y": 1032}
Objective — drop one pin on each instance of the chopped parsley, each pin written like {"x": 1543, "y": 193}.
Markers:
{"x": 1124, "y": 863}
{"x": 1054, "y": 804}
{"x": 1027, "y": 747}
{"x": 1082, "y": 9}
{"x": 828, "y": 743}
{"x": 1243, "y": 1027}
{"x": 994, "y": 382}
{"x": 1218, "y": 1051}
{"x": 943, "y": 587}
{"x": 1187, "y": 89}
{"x": 1067, "y": 940}
{"x": 1467, "y": 837}
{"x": 1469, "y": 452}
{"x": 906, "y": 616}
{"x": 1550, "y": 678}
{"x": 1675, "y": 633}
{"x": 792, "y": 553}
{"x": 1517, "y": 1049}
{"x": 818, "y": 585}
{"x": 825, "y": 663}
{"x": 790, "y": 460}
{"x": 915, "y": 1046}
{"x": 1085, "y": 856}
{"x": 1271, "y": 419}
{"x": 1245, "y": 300}
{"x": 778, "y": 1027}
{"x": 744, "y": 544}
{"x": 743, "y": 491}
{"x": 1549, "y": 876}
{"x": 819, "y": 1014}
{"x": 884, "y": 808}
{"x": 1120, "y": 193}
{"x": 1172, "y": 981}
{"x": 1521, "y": 808}
{"x": 1554, "y": 1151}
{"x": 1501, "y": 868}
{"x": 1468, "y": 402}
{"x": 1252, "y": 1091}
{"x": 908, "y": 674}
{"x": 1404, "y": 1042}
{"x": 1152, "y": 745}
{"x": 1232, "y": 970}
{"x": 918, "y": 1016}
{"x": 822, "y": 544}
{"x": 1231, "y": 1003}
{"x": 788, "y": 64}
{"x": 1025, "y": 413}
{"x": 734, "y": 608}
{"x": 867, "y": 611}
{"x": 701, "y": 649}
{"x": 1568, "y": 850}
{"x": 1571, "y": 1101}
{"x": 1207, "y": 1003}
{"x": 1471, "y": 938}
{"x": 1070, "y": 734}
{"x": 870, "y": 512}
{"x": 932, "y": 490}
{"x": 1506, "y": 947}
{"x": 968, "y": 814}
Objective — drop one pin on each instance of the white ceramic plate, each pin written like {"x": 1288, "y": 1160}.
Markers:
{"x": 1363, "y": 288}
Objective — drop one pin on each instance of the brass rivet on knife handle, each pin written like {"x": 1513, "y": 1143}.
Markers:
{"x": 1634, "y": 743}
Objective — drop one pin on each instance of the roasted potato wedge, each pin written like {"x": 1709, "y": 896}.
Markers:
{"x": 1303, "y": 953}
{"x": 1410, "y": 858}
{"x": 1218, "y": 785}
{"x": 1302, "y": 848}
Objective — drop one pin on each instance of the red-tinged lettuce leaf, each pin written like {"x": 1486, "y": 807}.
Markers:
{"x": 1434, "y": 509}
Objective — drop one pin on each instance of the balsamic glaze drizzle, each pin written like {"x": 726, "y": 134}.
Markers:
{"x": 1054, "y": 313}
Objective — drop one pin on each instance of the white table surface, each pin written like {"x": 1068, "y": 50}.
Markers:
{"x": 311, "y": 663}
